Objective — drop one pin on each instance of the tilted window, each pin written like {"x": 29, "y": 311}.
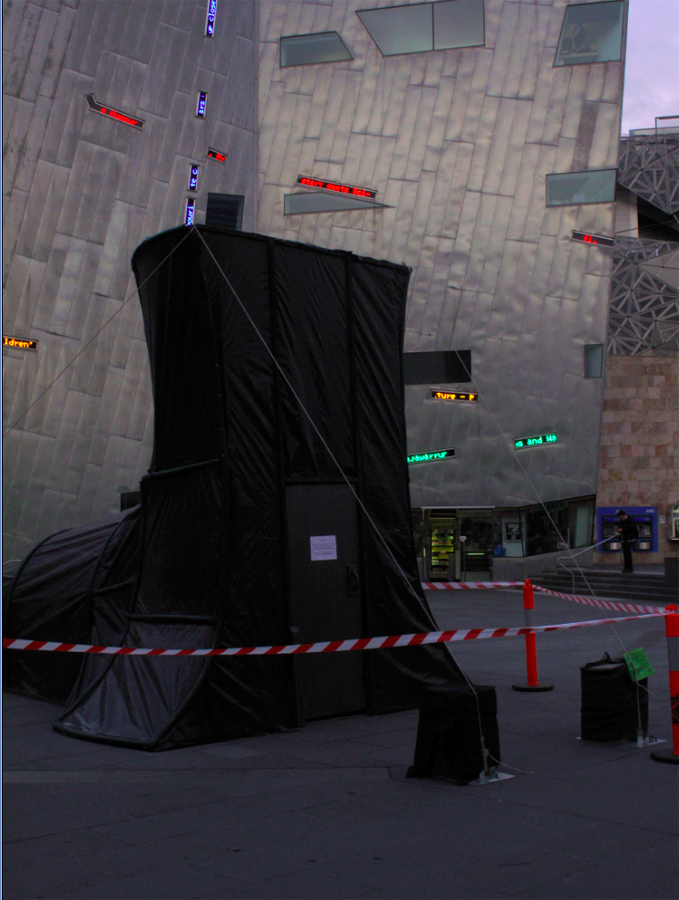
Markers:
{"x": 225, "y": 211}
{"x": 571, "y": 188}
{"x": 594, "y": 360}
{"x": 437, "y": 367}
{"x": 443, "y": 25}
{"x": 591, "y": 32}
{"x": 307, "y": 49}
{"x": 316, "y": 202}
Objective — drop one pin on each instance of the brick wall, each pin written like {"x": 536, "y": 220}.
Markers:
{"x": 640, "y": 440}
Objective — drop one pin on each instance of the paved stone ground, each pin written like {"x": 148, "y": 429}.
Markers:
{"x": 326, "y": 811}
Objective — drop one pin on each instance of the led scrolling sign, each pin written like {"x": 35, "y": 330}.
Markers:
{"x": 335, "y": 188}
{"x": 431, "y": 456}
{"x": 20, "y": 343}
{"x": 210, "y": 20}
{"x": 454, "y": 395}
{"x": 113, "y": 113}
{"x": 535, "y": 441}
{"x": 586, "y": 238}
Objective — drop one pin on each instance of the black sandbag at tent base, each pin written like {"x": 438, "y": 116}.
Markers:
{"x": 254, "y": 529}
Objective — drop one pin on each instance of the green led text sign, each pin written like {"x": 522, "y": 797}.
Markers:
{"x": 535, "y": 441}
{"x": 431, "y": 456}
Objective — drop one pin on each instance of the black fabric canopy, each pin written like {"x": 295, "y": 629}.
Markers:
{"x": 276, "y": 509}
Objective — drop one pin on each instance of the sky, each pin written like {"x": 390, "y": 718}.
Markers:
{"x": 652, "y": 65}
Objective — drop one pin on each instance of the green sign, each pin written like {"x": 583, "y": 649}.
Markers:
{"x": 535, "y": 441}
{"x": 638, "y": 664}
{"x": 431, "y": 456}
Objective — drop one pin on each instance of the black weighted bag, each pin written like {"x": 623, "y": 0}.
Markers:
{"x": 613, "y": 706}
{"x": 448, "y": 736}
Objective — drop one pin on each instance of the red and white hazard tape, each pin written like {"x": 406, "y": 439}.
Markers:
{"x": 618, "y": 605}
{"x": 467, "y": 585}
{"x": 397, "y": 640}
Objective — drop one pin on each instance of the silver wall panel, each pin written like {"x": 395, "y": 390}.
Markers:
{"x": 80, "y": 192}
{"x": 473, "y": 133}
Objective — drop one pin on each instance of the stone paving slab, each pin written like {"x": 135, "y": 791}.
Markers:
{"x": 327, "y": 811}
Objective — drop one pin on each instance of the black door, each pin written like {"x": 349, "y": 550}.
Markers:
{"x": 323, "y": 550}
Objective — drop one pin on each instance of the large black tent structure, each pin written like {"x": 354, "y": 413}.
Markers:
{"x": 276, "y": 507}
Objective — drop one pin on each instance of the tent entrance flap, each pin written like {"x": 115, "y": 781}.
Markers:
{"x": 325, "y": 596}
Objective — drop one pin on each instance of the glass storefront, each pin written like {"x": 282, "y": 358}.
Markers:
{"x": 488, "y": 533}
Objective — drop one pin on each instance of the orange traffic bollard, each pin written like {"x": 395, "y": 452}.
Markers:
{"x": 532, "y": 683}
{"x": 672, "y": 632}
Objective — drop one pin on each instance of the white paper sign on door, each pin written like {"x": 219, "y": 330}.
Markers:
{"x": 323, "y": 546}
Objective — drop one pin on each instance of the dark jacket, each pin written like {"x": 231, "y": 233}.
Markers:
{"x": 629, "y": 531}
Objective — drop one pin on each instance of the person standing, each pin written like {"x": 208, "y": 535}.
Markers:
{"x": 628, "y": 532}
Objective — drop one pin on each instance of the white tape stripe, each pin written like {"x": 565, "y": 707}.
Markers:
{"x": 467, "y": 585}
{"x": 618, "y": 605}
{"x": 431, "y": 637}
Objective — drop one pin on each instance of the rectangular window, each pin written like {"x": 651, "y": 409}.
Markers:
{"x": 307, "y": 49}
{"x": 572, "y": 188}
{"x": 422, "y": 27}
{"x": 591, "y": 32}
{"x": 438, "y": 367}
{"x": 594, "y": 360}
{"x": 317, "y": 202}
{"x": 210, "y": 19}
{"x": 201, "y": 104}
{"x": 225, "y": 211}
{"x": 193, "y": 178}
{"x": 190, "y": 211}
{"x": 400, "y": 29}
{"x": 458, "y": 23}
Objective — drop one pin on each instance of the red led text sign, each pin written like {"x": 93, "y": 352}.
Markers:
{"x": 215, "y": 154}
{"x": 592, "y": 238}
{"x": 336, "y": 188}
{"x": 113, "y": 113}
{"x": 21, "y": 343}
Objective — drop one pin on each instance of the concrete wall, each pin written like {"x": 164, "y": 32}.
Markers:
{"x": 640, "y": 440}
{"x": 458, "y": 143}
{"x": 80, "y": 192}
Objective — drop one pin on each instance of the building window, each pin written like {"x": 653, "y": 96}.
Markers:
{"x": 594, "y": 360}
{"x": 317, "y": 202}
{"x": 225, "y": 211}
{"x": 306, "y": 49}
{"x": 418, "y": 28}
{"x": 438, "y": 367}
{"x": 572, "y": 188}
{"x": 591, "y": 32}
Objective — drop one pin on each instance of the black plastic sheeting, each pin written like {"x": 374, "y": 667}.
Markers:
{"x": 230, "y": 439}
{"x": 65, "y": 590}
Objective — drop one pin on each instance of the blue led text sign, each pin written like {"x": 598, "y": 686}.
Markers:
{"x": 201, "y": 104}
{"x": 190, "y": 211}
{"x": 535, "y": 441}
{"x": 193, "y": 178}
{"x": 211, "y": 16}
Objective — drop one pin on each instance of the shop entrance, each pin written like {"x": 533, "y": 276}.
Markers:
{"x": 441, "y": 546}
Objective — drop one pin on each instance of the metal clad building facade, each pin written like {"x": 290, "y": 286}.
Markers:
{"x": 80, "y": 191}
{"x": 458, "y": 144}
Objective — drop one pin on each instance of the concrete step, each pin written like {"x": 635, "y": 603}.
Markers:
{"x": 635, "y": 587}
